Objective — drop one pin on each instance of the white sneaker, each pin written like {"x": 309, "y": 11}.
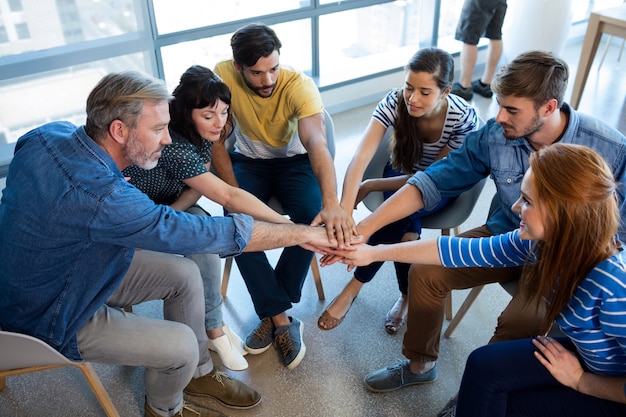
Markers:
{"x": 228, "y": 353}
{"x": 234, "y": 339}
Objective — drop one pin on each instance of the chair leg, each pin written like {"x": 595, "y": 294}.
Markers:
{"x": 98, "y": 389}
{"x": 449, "y": 306}
{"x": 469, "y": 300}
{"x": 315, "y": 270}
{"x": 228, "y": 264}
{"x": 3, "y": 383}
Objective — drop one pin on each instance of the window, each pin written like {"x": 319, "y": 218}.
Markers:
{"x": 21, "y": 29}
{"x": 4, "y": 36}
{"x": 15, "y": 5}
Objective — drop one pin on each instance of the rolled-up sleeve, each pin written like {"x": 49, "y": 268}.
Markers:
{"x": 430, "y": 192}
{"x": 243, "y": 233}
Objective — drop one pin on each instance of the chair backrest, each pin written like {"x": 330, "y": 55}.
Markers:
{"x": 449, "y": 217}
{"x": 23, "y": 351}
{"x": 330, "y": 139}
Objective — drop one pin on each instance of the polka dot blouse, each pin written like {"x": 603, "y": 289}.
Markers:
{"x": 179, "y": 160}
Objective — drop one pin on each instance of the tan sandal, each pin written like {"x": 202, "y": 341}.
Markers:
{"x": 328, "y": 322}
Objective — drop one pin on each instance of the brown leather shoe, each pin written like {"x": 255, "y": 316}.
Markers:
{"x": 218, "y": 385}
{"x": 188, "y": 410}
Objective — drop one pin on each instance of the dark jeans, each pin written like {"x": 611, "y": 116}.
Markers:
{"x": 505, "y": 379}
{"x": 291, "y": 180}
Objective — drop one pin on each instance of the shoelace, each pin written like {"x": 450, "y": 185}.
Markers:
{"x": 264, "y": 329}
{"x": 188, "y": 408}
{"x": 284, "y": 342}
{"x": 398, "y": 369}
{"x": 218, "y": 375}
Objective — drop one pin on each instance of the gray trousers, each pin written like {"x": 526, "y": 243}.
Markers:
{"x": 172, "y": 350}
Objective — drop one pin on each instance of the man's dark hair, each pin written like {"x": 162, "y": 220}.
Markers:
{"x": 252, "y": 42}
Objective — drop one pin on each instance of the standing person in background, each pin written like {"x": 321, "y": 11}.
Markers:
{"x": 199, "y": 112}
{"x": 479, "y": 18}
{"x": 280, "y": 150}
{"x": 567, "y": 195}
{"x": 427, "y": 123}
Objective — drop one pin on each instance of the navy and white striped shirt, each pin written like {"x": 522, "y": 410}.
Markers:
{"x": 595, "y": 317}
{"x": 461, "y": 119}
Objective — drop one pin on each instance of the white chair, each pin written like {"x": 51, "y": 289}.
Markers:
{"x": 24, "y": 354}
{"x": 448, "y": 218}
{"x": 277, "y": 206}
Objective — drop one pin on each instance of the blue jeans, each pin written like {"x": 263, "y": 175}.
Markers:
{"x": 505, "y": 379}
{"x": 172, "y": 350}
{"x": 291, "y": 180}
{"x": 210, "y": 270}
{"x": 392, "y": 233}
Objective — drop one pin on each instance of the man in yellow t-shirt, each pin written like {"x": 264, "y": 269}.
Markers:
{"x": 281, "y": 150}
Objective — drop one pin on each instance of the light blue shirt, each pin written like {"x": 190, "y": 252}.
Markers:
{"x": 487, "y": 152}
{"x": 69, "y": 226}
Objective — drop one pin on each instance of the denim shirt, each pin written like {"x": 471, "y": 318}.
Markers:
{"x": 69, "y": 223}
{"x": 487, "y": 152}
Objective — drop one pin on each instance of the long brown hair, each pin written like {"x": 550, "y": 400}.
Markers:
{"x": 576, "y": 194}
{"x": 407, "y": 147}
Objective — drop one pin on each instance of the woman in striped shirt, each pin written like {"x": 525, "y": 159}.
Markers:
{"x": 427, "y": 122}
{"x": 575, "y": 265}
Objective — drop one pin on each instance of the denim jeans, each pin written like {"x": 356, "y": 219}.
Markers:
{"x": 291, "y": 180}
{"x": 172, "y": 350}
{"x": 505, "y": 379}
{"x": 210, "y": 270}
{"x": 392, "y": 233}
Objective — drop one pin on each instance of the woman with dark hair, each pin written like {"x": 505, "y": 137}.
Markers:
{"x": 427, "y": 123}
{"x": 573, "y": 266}
{"x": 200, "y": 115}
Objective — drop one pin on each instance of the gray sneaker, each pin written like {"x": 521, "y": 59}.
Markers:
{"x": 482, "y": 89}
{"x": 459, "y": 90}
{"x": 288, "y": 341}
{"x": 398, "y": 376}
{"x": 260, "y": 339}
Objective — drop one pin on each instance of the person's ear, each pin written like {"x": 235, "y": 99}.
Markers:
{"x": 237, "y": 67}
{"x": 118, "y": 131}
{"x": 550, "y": 107}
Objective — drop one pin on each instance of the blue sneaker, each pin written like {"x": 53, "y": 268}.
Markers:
{"x": 288, "y": 342}
{"x": 260, "y": 339}
{"x": 398, "y": 376}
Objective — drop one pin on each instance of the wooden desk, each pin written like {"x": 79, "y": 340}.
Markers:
{"x": 611, "y": 21}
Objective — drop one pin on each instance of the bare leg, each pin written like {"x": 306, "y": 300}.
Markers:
{"x": 494, "y": 53}
{"x": 469, "y": 55}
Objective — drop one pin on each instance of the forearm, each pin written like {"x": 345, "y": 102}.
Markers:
{"x": 222, "y": 165}
{"x": 242, "y": 201}
{"x": 324, "y": 170}
{"x": 188, "y": 198}
{"x": 386, "y": 184}
{"x": 424, "y": 252}
{"x": 267, "y": 236}
{"x": 407, "y": 200}
{"x": 605, "y": 387}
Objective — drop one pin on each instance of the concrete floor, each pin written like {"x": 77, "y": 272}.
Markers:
{"x": 329, "y": 380}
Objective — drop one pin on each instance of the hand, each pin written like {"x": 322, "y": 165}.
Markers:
{"x": 339, "y": 225}
{"x": 562, "y": 364}
{"x": 357, "y": 255}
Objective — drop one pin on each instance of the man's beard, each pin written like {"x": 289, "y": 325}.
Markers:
{"x": 136, "y": 152}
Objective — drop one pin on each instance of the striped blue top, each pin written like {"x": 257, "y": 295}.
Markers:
{"x": 461, "y": 119}
{"x": 595, "y": 317}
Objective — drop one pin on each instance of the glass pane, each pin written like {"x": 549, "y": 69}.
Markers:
{"x": 296, "y": 51}
{"x": 449, "y": 18}
{"x": 61, "y": 95}
{"x": 47, "y": 24}
{"x": 172, "y": 16}
{"x": 365, "y": 41}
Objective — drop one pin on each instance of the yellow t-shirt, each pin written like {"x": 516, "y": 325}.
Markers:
{"x": 268, "y": 127}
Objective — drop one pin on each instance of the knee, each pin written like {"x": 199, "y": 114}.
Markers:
{"x": 179, "y": 348}
{"x": 185, "y": 276}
